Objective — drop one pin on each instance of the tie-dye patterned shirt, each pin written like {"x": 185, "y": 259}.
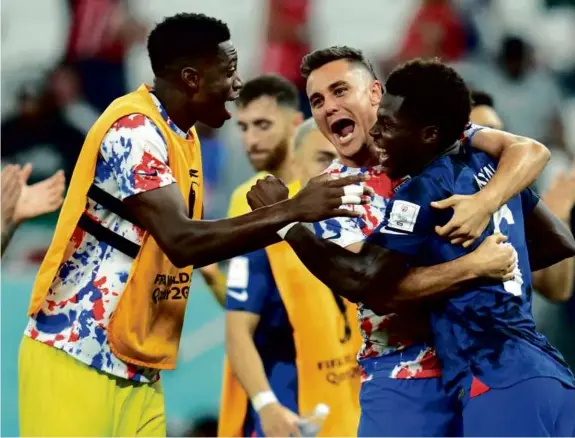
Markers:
{"x": 383, "y": 335}
{"x": 133, "y": 159}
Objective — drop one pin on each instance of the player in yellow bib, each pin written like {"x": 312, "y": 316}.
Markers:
{"x": 108, "y": 303}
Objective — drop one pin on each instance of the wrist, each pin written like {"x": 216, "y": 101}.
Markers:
{"x": 470, "y": 268}
{"x": 491, "y": 199}
{"x": 283, "y": 213}
{"x": 263, "y": 399}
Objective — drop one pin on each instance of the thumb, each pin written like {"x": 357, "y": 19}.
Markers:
{"x": 25, "y": 173}
{"x": 500, "y": 238}
{"x": 444, "y": 203}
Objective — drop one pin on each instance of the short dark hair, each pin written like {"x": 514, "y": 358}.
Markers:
{"x": 479, "y": 98}
{"x": 321, "y": 57}
{"x": 434, "y": 94}
{"x": 283, "y": 91}
{"x": 185, "y": 36}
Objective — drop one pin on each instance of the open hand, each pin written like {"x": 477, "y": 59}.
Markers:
{"x": 471, "y": 215}
{"x": 11, "y": 190}
{"x": 277, "y": 420}
{"x": 495, "y": 259}
{"x": 40, "y": 198}
{"x": 560, "y": 197}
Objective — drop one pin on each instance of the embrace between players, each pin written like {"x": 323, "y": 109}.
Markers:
{"x": 134, "y": 210}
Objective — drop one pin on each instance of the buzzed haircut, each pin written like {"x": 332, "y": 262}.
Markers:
{"x": 184, "y": 37}
{"x": 303, "y": 130}
{"x": 481, "y": 98}
{"x": 434, "y": 95}
{"x": 283, "y": 91}
{"x": 321, "y": 57}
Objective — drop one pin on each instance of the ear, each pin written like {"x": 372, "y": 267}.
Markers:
{"x": 297, "y": 119}
{"x": 430, "y": 135}
{"x": 191, "y": 77}
{"x": 376, "y": 93}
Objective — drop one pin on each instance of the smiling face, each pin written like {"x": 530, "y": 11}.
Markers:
{"x": 403, "y": 144}
{"x": 344, "y": 98}
{"x": 214, "y": 85}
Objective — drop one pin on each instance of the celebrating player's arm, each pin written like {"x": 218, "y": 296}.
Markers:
{"x": 545, "y": 228}
{"x": 361, "y": 268}
{"x": 200, "y": 242}
{"x": 250, "y": 286}
{"x": 521, "y": 160}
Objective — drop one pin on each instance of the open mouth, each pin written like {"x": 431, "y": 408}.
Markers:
{"x": 343, "y": 130}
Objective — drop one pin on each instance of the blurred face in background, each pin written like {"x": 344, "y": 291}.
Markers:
{"x": 344, "y": 100}
{"x": 267, "y": 131}
{"x": 485, "y": 116}
{"x": 314, "y": 155}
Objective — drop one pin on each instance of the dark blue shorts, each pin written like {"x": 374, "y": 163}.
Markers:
{"x": 540, "y": 406}
{"x": 405, "y": 407}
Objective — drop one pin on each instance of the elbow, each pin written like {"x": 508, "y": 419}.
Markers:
{"x": 540, "y": 151}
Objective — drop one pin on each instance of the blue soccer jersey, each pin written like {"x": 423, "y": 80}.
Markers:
{"x": 252, "y": 288}
{"x": 487, "y": 331}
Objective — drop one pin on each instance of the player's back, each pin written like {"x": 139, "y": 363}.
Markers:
{"x": 487, "y": 330}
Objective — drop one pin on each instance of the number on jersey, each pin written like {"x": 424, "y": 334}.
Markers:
{"x": 512, "y": 286}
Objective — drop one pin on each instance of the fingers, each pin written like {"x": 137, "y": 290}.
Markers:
{"x": 447, "y": 229}
{"x": 499, "y": 238}
{"x": 348, "y": 180}
{"x": 25, "y": 173}
{"x": 445, "y": 203}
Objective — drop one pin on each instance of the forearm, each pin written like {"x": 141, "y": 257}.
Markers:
{"x": 519, "y": 165}
{"x": 200, "y": 243}
{"x": 556, "y": 282}
{"x": 7, "y": 234}
{"x": 246, "y": 362}
{"x": 344, "y": 272}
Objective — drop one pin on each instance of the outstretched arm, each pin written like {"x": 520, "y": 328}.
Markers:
{"x": 195, "y": 242}
{"x": 381, "y": 278}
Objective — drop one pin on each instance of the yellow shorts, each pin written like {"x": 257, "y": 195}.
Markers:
{"x": 61, "y": 396}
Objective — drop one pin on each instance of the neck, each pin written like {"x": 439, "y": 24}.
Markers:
{"x": 286, "y": 172}
{"x": 175, "y": 104}
{"x": 366, "y": 157}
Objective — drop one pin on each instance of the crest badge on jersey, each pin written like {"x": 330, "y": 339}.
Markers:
{"x": 403, "y": 216}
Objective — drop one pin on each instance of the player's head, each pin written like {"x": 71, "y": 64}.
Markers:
{"x": 483, "y": 112}
{"x": 194, "y": 55}
{"x": 344, "y": 92}
{"x": 314, "y": 152}
{"x": 424, "y": 110}
{"x": 267, "y": 117}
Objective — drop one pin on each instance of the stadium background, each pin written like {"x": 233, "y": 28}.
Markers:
{"x": 36, "y": 36}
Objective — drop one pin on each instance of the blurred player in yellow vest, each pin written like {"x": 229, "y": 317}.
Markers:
{"x": 267, "y": 116}
{"x": 291, "y": 342}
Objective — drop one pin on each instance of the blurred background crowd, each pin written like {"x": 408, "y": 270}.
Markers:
{"x": 64, "y": 61}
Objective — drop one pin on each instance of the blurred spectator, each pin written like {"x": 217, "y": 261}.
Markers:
{"x": 213, "y": 161}
{"x": 287, "y": 42}
{"x": 101, "y": 32}
{"x": 40, "y": 134}
{"x": 528, "y": 97}
{"x": 65, "y": 92}
{"x": 436, "y": 30}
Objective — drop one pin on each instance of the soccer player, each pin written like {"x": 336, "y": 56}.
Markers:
{"x": 108, "y": 303}
{"x": 269, "y": 325}
{"x": 555, "y": 282}
{"x": 267, "y": 116}
{"x": 504, "y": 376}
{"x": 345, "y": 94}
